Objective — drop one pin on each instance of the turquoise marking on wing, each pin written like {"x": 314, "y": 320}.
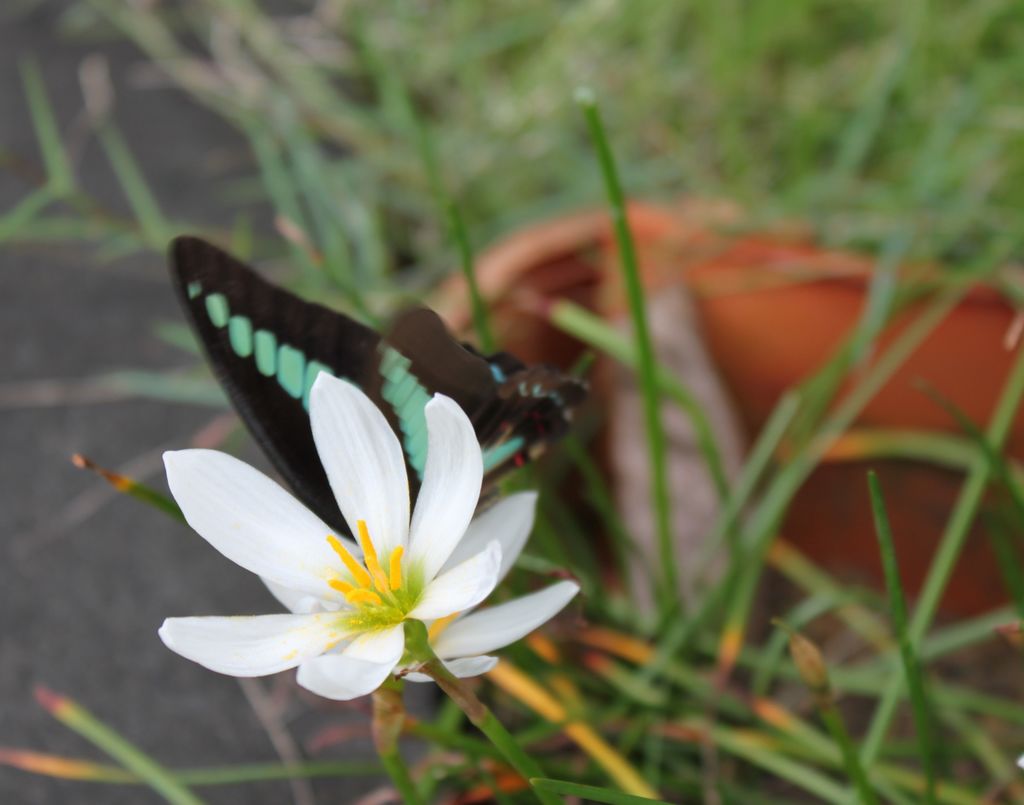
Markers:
{"x": 408, "y": 398}
{"x": 313, "y": 368}
{"x": 496, "y": 455}
{"x": 194, "y": 289}
{"x": 265, "y": 346}
{"x": 291, "y": 369}
{"x": 240, "y": 335}
{"x": 217, "y": 309}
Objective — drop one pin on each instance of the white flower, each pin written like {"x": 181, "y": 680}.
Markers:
{"x": 349, "y": 602}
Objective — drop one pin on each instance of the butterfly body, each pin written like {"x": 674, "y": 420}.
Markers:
{"x": 267, "y": 347}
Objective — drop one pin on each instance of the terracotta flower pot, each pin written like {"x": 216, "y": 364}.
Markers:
{"x": 772, "y": 308}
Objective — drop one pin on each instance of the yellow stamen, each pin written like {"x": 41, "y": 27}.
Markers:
{"x": 363, "y": 597}
{"x": 342, "y": 587}
{"x": 380, "y": 581}
{"x": 440, "y": 625}
{"x": 396, "y": 567}
{"x": 357, "y": 570}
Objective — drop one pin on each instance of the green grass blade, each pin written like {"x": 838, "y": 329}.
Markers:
{"x": 595, "y": 332}
{"x": 14, "y": 221}
{"x": 898, "y": 609}
{"x": 945, "y": 557}
{"x": 1008, "y": 559}
{"x": 75, "y": 717}
{"x": 669, "y": 598}
{"x": 772, "y": 507}
{"x": 759, "y": 457}
{"x": 87, "y": 771}
{"x": 591, "y": 793}
{"x": 131, "y": 487}
{"x": 396, "y": 96}
{"x": 155, "y": 228}
{"x": 58, "y": 169}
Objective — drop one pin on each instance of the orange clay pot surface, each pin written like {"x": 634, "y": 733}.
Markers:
{"x": 773, "y": 308}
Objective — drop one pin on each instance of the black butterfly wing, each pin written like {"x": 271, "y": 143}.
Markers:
{"x": 515, "y": 410}
{"x": 266, "y": 347}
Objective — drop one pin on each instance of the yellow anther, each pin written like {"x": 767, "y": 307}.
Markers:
{"x": 357, "y": 570}
{"x": 380, "y": 581}
{"x": 342, "y": 587}
{"x": 440, "y": 625}
{"x": 363, "y": 597}
{"x": 396, "y": 567}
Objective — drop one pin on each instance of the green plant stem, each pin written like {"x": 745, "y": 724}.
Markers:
{"x": 388, "y": 720}
{"x": 76, "y": 717}
{"x": 418, "y": 646}
{"x": 957, "y": 528}
{"x": 670, "y": 598}
{"x": 837, "y": 728}
{"x": 484, "y": 720}
{"x": 812, "y": 668}
{"x": 898, "y": 608}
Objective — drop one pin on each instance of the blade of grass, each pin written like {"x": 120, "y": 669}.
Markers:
{"x": 941, "y": 449}
{"x": 87, "y": 771}
{"x": 155, "y": 228}
{"x": 762, "y": 528}
{"x": 898, "y": 610}
{"x": 670, "y": 598}
{"x": 15, "y": 220}
{"x": 1008, "y": 559}
{"x": 592, "y": 793}
{"x": 75, "y": 717}
{"x": 58, "y": 170}
{"x": 311, "y": 176}
{"x": 404, "y": 110}
{"x": 537, "y": 698}
{"x": 129, "y": 486}
{"x": 592, "y": 330}
{"x": 945, "y": 557}
{"x": 801, "y": 571}
{"x": 277, "y": 182}
{"x": 753, "y": 469}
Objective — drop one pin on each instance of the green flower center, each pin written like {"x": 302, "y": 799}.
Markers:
{"x": 380, "y": 598}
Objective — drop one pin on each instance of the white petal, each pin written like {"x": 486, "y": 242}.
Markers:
{"x": 363, "y": 460}
{"x": 385, "y": 645}
{"x": 509, "y": 521}
{"x": 462, "y": 587}
{"x": 252, "y": 646}
{"x": 358, "y": 670}
{"x": 252, "y": 520}
{"x": 462, "y": 667}
{"x": 494, "y": 627}
{"x": 451, "y": 485}
{"x": 299, "y": 602}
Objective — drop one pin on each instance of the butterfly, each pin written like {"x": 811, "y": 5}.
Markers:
{"x": 267, "y": 346}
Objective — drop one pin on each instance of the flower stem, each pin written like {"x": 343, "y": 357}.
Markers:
{"x": 484, "y": 720}
{"x": 388, "y": 718}
{"x": 417, "y": 645}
